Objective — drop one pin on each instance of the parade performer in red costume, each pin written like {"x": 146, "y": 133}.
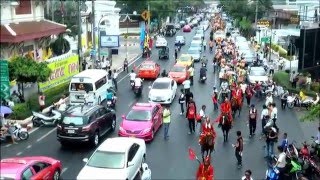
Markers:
{"x": 226, "y": 108}
{"x": 205, "y": 170}
{"x": 237, "y": 93}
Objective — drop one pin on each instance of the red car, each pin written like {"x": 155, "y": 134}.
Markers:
{"x": 149, "y": 70}
{"x": 179, "y": 73}
{"x": 33, "y": 167}
{"x": 186, "y": 28}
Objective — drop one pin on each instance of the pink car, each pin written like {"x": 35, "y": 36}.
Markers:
{"x": 143, "y": 121}
{"x": 33, "y": 167}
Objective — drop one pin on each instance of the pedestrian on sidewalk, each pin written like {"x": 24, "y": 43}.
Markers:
{"x": 41, "y": 100}
{"x": 252, "y": 120}
{"x": 191, "y": 115}
{"x": 247, "y": 175}
{"x": 238, "y": 149}
{"x": 182, "y": 100}
{"x": 125, "y": 65}
{"x": 114, "y": 78}
{"x": 166, "y": 121}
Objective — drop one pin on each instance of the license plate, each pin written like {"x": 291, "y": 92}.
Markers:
{"x": 71, "y": 131}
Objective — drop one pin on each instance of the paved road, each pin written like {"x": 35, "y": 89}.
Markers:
{"x": 167, "y": 159}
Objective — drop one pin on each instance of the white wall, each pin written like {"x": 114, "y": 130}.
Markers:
{"x": 8, "y": 14}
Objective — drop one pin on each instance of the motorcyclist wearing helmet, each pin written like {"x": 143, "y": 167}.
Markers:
{"x": 111, "y": 95}
{"x": 203, "y": 72}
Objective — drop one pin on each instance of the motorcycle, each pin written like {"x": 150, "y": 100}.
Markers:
{"x": 137, "y": 90}
{"x": 203, "y": 78}
{"x": 18, "y": 131}
{"x": 111, "y": 103}
{"x": 132, "y": 84}
{"x": 295, "y": 101}
{"x": 50, "y": 118}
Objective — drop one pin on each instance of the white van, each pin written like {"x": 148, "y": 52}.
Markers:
{"x": 89, "y": 86}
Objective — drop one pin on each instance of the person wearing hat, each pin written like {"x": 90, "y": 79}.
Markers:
{"x": 205, "y": 170}
{"x": 252, "y": 120}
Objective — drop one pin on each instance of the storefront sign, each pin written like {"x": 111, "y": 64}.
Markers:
{"x": 62, "y": 71}
{"x": 108, "y": 41}
{"x": 4, "y": 80}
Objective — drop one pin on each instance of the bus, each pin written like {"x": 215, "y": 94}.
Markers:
{"x": 89, "y": 86}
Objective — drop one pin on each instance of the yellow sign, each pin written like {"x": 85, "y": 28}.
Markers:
{"x": 145, "y": 15}
{"x": 62, "y": 71}
{"x": 265, "y": 23}
{"x": 294, "y": 19}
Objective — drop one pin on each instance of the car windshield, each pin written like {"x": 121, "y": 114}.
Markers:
{"x": 147, "y": 66}
{"x": 257, "y": 73}
{"x": 178, "y": 69}
{"x": 161, "y": 85}
{"x": 110, "y": 160}
{"x": 193, "y": 51}
{"x": 74, "y": 120}
{"x": 7, "y": 176}
{"x": 184, "y": 58}
{"x": 197, "y": 38}
{"x": 81, "y": 87}
{"x": 179, "y": 38}
{"x": 138, "y": 115}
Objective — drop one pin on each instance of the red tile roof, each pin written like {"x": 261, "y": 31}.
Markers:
{"x": 26, "y": 31}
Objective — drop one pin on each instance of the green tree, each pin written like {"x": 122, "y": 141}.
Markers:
{"x": 313, "y": 114}
{"x": 26, "y": 70}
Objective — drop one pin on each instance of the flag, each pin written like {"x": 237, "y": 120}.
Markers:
{"x": 192, "y": 154}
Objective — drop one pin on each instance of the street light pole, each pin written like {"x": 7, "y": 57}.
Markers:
{"x": 79, "y": 34}
{"x": 93, "y": 32}
{"x": 256, "y": 15}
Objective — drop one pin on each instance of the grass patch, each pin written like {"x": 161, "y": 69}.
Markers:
{"x": 283, "y": 79}
{"x": 22, "y": 111}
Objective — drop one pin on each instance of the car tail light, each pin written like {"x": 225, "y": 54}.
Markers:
{"x": 86, "y": 128}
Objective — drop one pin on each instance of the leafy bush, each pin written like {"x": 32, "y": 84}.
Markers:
{"x": 24, "y": 110}
{"x": 315, "y": 87}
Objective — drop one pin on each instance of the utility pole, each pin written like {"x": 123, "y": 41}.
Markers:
{"x": 52, "y": 10}
{"x": 93, "y": 33}
{"x": 79, "y": 34}
{"x": 149, "y": 18}
{"x": 256, "y": 15}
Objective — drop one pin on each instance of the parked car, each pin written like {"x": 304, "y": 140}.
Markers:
{"x": 115, "y": 158}
{"x": 179, "y": 73}
{"x": 195, "y": 53}
{"x": 142, "y": 121}
{"x": 186, "y": 28}
{"x": 86, "y": 124}
{"x": 180, "y": 39}
{"x": 163, "y": 90}
{"x": 32, "y": 167}
{"x": 161, "y": 42}
{"x": 149, "y": 70}
{"x": 257, "y": 74}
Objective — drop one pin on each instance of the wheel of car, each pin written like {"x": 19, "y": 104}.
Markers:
{"x": 56, "y": 175}
{"x": 99, "y": 100}
{"x": 95, "y": 139}
{"x": 114, "y": 123}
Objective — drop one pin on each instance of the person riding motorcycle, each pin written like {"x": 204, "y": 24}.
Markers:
{"x": 61, "y": 104}
{"x": 304, "y": 152}
{"x": 204, "y": 61}
{"x": 205, "y": 170}
{"x": 133, "y": 76}
{"x": 111, "y": 95}
{"x": 138, "y": 84}
{"x": 203, "y": 72}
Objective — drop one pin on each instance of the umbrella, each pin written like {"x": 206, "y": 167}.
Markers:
{"x": 5, "y": 110}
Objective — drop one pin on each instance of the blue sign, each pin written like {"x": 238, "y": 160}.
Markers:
{"x": 108, "y": 41}
{"x": 142, "y": 34}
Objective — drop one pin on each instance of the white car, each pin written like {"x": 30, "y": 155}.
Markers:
{"x": 163, "y": 91}
{"x": 241, "y": 39}
{"x": 161, "y": 42}
{"x": 219, "y": 34}
{"x": 257, "y": 74}
{"x": 196, "y": 44}
{"x": 180, "y": 39}
{"x": 115, "y": 158}
{"x": 200, "y": 32}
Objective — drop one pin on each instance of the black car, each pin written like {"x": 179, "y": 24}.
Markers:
{"x": 170, "y": 30}
{"x": 85, "y": 124}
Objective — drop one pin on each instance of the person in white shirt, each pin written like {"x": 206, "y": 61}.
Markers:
{"x": 146, "y": 172}
{"x": 203, "y": 116}
{"x": 281, "y": 162}
{"x": 186, "y": 85}
{"x": 132, "y": 76}
{"x": 243, "y": 87}
{"x": 138, "y": 82}
{"x": 269, "y": 99}
{"x": 264, "y": 118}
{"x": 247, "y": 175}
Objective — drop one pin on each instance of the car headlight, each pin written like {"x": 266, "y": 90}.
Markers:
{"x": 146, "y": 130}
{"x": 121, "y": 129}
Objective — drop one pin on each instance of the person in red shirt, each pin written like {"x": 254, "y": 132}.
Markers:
{"x": 226, "y": 108}
{"x": 305, "y": 151}
{"x": 249, "y": 93}
{"x": 208, "y": 128}
{"x": 205, "y": 170}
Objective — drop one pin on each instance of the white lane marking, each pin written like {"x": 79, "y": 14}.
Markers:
{"x": 48, "y": 133}
{"x": 29, "y": 146}
{"x": 64, "y": 170}
{"x": 33, "y": 130}
{"x": 129, "y": 65}
{"x": 8, "y": 145}
{"x": 19, "y": 153}
{"x": 131, "y": 103}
